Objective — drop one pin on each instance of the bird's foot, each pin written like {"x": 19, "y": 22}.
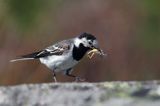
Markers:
{"x": 77, "y": 79}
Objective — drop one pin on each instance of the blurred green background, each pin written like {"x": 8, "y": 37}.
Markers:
{"x": 127, "y": 30}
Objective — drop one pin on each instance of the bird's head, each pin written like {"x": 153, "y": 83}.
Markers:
{"x": 88, "y": 41}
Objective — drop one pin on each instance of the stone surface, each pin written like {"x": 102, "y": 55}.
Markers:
{"x": 82, "y": 94}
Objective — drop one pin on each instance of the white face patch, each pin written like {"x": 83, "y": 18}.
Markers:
{"x": 77, "y": 42}
{"x": 83, "y": 41}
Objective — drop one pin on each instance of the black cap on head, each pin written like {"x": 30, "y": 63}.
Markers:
{"x": 87, "y": 36}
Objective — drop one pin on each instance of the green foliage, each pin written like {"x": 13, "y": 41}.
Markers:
{"x": 150, "y": 29}
{"x": 25, "y": 11}
{"x": 153, "y": 6}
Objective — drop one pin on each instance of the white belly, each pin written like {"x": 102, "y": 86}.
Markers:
{"x": 58, "y": 63}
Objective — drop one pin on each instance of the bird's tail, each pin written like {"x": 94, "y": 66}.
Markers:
{"x": 20, "y": 59}
{"x": 26, "y": 57}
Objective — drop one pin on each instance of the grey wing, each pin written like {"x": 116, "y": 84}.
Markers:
{"x": 56, "y": 49}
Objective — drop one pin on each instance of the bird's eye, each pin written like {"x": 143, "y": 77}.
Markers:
{"x": 90, "y": 42}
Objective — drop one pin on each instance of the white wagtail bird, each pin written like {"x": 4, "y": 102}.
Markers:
{"x": 64, "y": 55}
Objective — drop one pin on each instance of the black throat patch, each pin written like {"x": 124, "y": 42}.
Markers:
{"x": 79, "y": 52}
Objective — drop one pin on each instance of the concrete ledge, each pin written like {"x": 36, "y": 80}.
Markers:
{"x": 82, "y": 94}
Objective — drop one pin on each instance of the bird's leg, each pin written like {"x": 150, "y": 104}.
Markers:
{"x": 76, "y": 77}
{"x": 54, "y": 76}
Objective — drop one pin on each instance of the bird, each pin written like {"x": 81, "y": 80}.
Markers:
{"x": 64, "y": 55}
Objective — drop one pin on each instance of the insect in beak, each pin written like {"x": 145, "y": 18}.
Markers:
{"x": 94, "y": 51}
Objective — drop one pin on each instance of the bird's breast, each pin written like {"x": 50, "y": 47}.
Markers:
{"x": 59, "y": 63}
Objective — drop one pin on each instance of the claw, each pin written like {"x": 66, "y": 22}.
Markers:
{"x": 77, "y": 79}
